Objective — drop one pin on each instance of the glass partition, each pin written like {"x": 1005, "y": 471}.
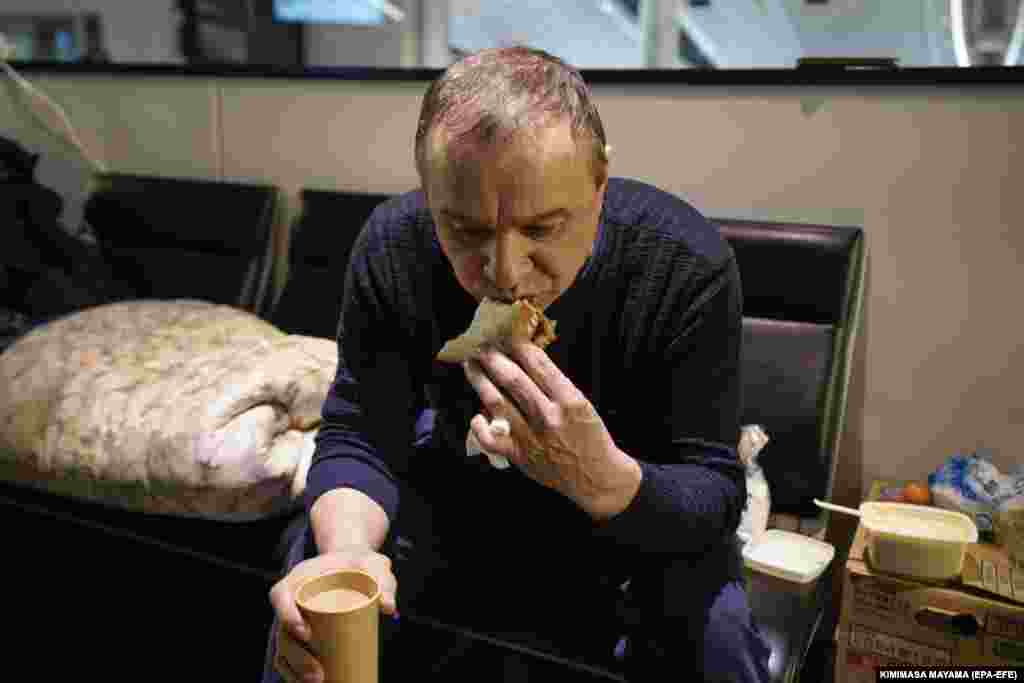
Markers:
{"x": 592, "y": 34}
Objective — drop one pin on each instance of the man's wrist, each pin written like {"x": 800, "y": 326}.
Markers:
{"x": 347, "y": 518}
{"x": 621, "y": 487}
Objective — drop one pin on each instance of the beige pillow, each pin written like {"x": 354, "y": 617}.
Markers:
{"x": 171, "y": 407}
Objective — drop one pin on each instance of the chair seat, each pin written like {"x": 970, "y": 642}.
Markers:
{"x": 254, "y": 548}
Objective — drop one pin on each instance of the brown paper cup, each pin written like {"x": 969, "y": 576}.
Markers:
{"x": 342, "y": 609}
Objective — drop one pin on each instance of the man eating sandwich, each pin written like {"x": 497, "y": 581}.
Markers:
{"x": 610, "y": 538}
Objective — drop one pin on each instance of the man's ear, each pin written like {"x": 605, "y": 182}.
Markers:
{"x": 601, "y": 180}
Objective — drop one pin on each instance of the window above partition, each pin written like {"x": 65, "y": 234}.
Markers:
{"x": 592, "y": 34}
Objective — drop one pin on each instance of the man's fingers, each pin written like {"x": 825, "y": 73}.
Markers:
{"x": 388, "y": 603}
{"x": 282, "y": 667}
{"x": 288, "y": 612}
{"x": 492, "y": 399}
{"x": 379, "y": 566}
{"x": 294, "y": 661}
{"x": 497, "y": 444}
{"x": 537, "y": 364}
{"x": 496, "y": 376}
{"x": 482, "y": 431}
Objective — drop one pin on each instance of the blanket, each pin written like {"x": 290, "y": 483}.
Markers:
{"x": 180, "y": 407}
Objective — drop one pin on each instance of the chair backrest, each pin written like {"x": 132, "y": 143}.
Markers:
{"x": 802, "y": 291}
{"x": 321, "y": 244}
{"x": 171, "y": 238}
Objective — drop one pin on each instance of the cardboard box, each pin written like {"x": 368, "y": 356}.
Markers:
{"x": 887, "y": 620}
{"x": 861, "y": 651}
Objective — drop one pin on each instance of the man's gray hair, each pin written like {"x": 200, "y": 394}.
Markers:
{"x": 499, "y": 92}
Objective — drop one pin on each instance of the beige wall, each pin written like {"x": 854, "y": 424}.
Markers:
{"x": 932, "y": 173}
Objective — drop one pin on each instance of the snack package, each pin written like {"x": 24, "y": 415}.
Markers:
{"x": 973, "y": 485}
{"x": 1008, "y": 525}
{"x": 754, "y": 521}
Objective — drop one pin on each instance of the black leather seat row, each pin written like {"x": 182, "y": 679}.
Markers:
{"x": 173, "y": 238}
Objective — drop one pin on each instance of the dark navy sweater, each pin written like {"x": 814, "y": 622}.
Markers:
{"x": 650, "y": 331}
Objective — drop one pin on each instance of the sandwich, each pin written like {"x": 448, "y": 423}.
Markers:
{"x": 499, "y": 323}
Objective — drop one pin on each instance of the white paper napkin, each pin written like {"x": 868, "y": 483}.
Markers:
{"x": 499, "y": 426}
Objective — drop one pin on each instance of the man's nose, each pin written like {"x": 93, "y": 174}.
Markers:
{"x": 509, "y": 262}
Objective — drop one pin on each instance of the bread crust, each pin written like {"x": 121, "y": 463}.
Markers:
{"x": 500, "y": 323}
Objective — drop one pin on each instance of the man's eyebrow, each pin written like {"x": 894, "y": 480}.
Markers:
{"x": 455, "y": 215}
{"x": 557, "y": 213}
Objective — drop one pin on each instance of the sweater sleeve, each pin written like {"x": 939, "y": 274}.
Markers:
{"x": 693, "y": 488}
{"x": 367, "y": 416}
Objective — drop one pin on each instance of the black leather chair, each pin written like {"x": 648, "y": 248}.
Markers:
{"x": 320, "y": 244}
{"x": 174, "y": 238}
{"x": 803, "y": 292}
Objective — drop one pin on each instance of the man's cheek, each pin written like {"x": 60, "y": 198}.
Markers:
{"x": 470, "y": 270}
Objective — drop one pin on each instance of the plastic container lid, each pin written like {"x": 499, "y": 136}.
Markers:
{"x": 789, "y": 555}
{"x": 920, "y": 523}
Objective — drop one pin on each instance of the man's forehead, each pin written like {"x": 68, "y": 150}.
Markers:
{"x": 529, "y": 146}
{"x": 516, "y": 180}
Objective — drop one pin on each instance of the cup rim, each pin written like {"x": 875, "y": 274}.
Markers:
{"x": 371, "y": 599}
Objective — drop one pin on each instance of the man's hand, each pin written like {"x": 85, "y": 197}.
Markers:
{"x": 557, "y": 438}
{"x": 293, "y": 659}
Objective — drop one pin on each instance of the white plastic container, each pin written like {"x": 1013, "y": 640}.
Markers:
{"x": 917, "y": 540}
{"x": 789, "y": 555}
{"x": 914, "y": 540}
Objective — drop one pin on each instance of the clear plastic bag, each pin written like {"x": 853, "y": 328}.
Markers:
{"x": 971, "y": 484}
{"x": 754, "y": 521}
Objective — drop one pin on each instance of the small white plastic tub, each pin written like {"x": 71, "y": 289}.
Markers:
{"x": 914, "y": 540}
{"x": 788, "y": 555}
